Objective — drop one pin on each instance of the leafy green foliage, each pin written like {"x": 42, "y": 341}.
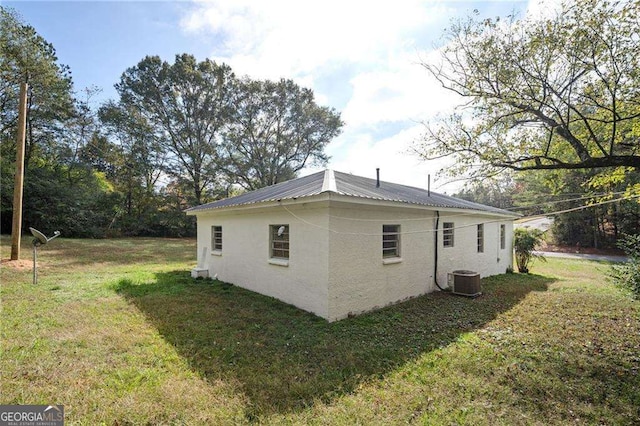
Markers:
{"x": 132, "y": 166}
{"x": 217, "y": 130}
{"x": 135, "y": 160}
{"x": 84, "y": 208}
{"x": 622, "y": 217}
{"x": 525, "y": 242}
{"x": 184, "y": 105}
{"x": 627, "y": 275}
{"x": 59, "y": 191}
{"x": 597, "y": 222}
{"x": 554, "y": 96}
{"x": 275, "y": 130}
{"x": 27, "y": 57}
{"x": 542, "y": 93}
{"x": 497, "y": 191}
{"x": 598, "y": 205}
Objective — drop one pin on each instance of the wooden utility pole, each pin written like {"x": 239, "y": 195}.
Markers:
{"x": 16, "y": 229}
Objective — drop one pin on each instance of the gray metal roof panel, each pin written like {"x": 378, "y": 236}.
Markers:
{"x": 349, "y": 185}
{"x": 301, "y": 187}
{"x": 358, "y": 186}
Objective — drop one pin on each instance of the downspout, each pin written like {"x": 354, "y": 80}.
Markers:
{"x": 435, "y": 267}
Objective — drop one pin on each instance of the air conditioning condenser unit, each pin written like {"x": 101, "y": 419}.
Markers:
{"x": 465, "y": 283}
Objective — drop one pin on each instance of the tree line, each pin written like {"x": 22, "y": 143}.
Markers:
{"x": 550, "y": 122}
{"x": 589, "y": 208}
{"x": 179, "y": 134}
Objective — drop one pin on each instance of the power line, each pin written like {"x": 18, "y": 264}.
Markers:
{"x": 425, "y": 231}
{"x": 559, "y": 212}
{"x": 455, "y": 215}
{"x": 566, "y": 200}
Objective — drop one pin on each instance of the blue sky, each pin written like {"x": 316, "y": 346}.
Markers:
{"x": 360, "y": 57}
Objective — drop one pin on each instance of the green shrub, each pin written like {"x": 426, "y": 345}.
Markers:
{"x": 524, "y": 242}
{"x": 627, "y": 275}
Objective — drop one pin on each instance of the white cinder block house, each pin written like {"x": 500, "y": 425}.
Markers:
{"x": 336, "y": 244}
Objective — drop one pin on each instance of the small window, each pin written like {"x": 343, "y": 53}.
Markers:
{"x": 216, "y": 238}
{"x": 481, "y": 238}
{"x": 503, "y": 232}
{"x": 280, "y": 241}
{"x": 390, "y": 241}
{"x": 447, "y": 234}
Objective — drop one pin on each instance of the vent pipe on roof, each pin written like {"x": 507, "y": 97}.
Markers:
{"x": 429, "y": 185}
{"x": 377, "y": 177}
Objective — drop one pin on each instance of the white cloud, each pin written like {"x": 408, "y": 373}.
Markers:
{"x": 292, "y": 38}
{"x": 392, "y": 155}
{"x": 359, "y": 57}
{"x": 402, "y": 91}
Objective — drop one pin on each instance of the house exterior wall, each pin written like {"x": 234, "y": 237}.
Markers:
{"x": 359, "y": 278}
{"x": 464, "y": 253}
{"x": 245, "y": 257}
{"x": 336, "y": 266}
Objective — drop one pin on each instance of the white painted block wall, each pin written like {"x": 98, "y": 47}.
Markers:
{"x": 244, "y": 260}
{"x": 464, "y": 253}
{"x": 359, "y": 278}
{"x": 336, "y": 266}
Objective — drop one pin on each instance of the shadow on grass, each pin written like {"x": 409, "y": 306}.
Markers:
{"x": 283, "y": 359}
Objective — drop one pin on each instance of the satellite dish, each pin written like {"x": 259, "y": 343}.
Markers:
{"x": 42, "y": 239}
{"x": 281, "y": 230}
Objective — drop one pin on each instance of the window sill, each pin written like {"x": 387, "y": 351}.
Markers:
{"x": 216, "y": 253}
{"x": 279, "y": 262}
{"x": 391, "y": 260}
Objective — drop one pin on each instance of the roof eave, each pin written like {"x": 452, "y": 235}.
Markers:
{"x": 415, "y": 205}
{"x": 322, "y": 196}
{"x": 347, "y": 198}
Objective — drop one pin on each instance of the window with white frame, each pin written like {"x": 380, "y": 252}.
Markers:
{"x": 216, "y": 238}
{"x": 480, "y": 234}
{"x": 503, "y": 231}
{"x": 279, "y": 241}
{"x": 447, "y": 234}
{"x": 390, "y": 241}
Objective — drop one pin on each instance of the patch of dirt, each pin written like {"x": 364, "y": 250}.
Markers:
{"x": 20, "y": 265}
{"x": 581, "y": 250}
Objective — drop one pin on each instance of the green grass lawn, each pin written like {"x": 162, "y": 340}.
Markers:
{"x": 118, "y": 332}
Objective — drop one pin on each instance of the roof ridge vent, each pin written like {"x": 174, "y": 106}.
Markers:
{"x": 329, "y": 182}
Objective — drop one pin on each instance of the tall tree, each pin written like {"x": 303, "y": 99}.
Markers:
{"x": 78, "y": 131}
{"x": 143, "y": 153}
{"x": 186, "y": 103}
{"x": 598, "y": 204}
{"x": 543, "y": 93}
{"x": 275, "y": 130}
{"x": 139, "y": 162}
{"x": 27, "y": 57}
{"x": 497, "y": 191}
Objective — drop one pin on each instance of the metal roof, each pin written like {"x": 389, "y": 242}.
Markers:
{"x": 305, "y": 186}
{"x": 348, "y": 185}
